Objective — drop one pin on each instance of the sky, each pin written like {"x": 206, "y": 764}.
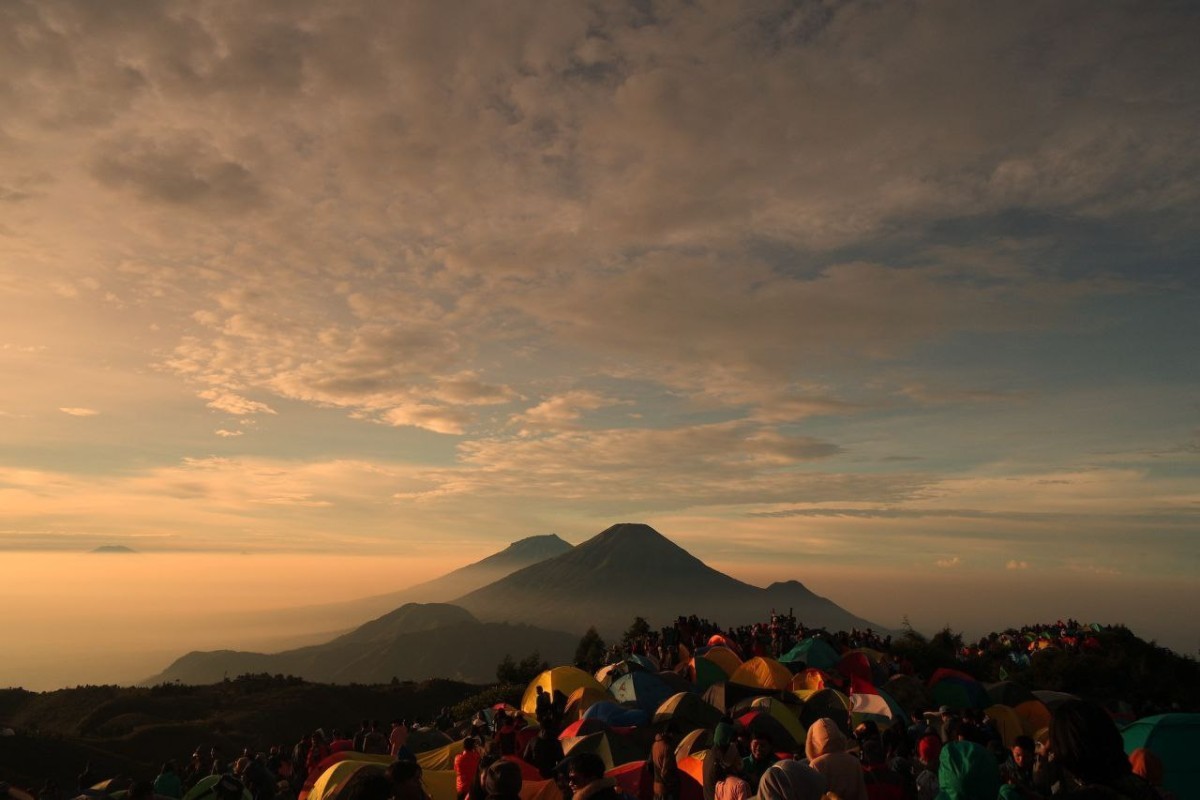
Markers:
{"x": 817, "y": 290}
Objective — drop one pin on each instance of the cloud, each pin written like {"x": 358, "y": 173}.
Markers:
{"x": 234, "y": 404}
{"x": 561, "y": 412}
{"x": 227, "y": 434}
{"x": 1015, "y": 564}
{"x": 182, "y": 172}
{"x": 948, "y": 563}
{"x": 80, "y": 412}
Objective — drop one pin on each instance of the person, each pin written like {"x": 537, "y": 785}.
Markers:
{"x": 544, "y": 751}
{"x": 825, "y": 746}
{"x": 360, "y": 736}
{"x": 168, "y": 783}
{"x": 665, "y": 768}
{"x": 503, "y": 781}
{"x": 950, "y": 726}
{"x": 398, "y": 739}
{"x": 722, "y": 758}
{"x": 1087, "y": 747}
{"x": 762, "y": 755}
{"x": 367, "y": 784}
{"x": 407, "y": 780}
{"x": 967, "y": 771}
{"x": 1149, "y": 767}
{"x": 466, "y": 764}
{"x": 544, "y": 706}
{"x": 1018, "y": 769}
{"x": 731, "y": 785}
{"x": 339, "y": 743}
{"x": 318, "y": 751}
{"x": 929, "y": 752}
{"x": 506, "y": 733}
{"x": 882, "y": 782}
{"x": 562, "y": 774}
{"x": 375, "y": 743}
{"x": 791, "y": 780}
{"x": 586, "y": 778}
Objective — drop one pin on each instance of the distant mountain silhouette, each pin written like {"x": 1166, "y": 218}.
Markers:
{"x": 413, "y": 642}
{"x": 632, "y": 570}
{"x": 113, "y": 548}
{"x": 331, "y": 619}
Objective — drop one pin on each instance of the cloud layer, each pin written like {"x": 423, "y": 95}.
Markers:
{"x": 796, "y": 270}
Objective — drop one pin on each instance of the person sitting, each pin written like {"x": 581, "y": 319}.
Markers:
{"x": 1087, "y": 746}
{"x": 762, "y": 755}
{"x": 503, "y": 781}
{"x": 791, "y": 780}
{"x": 586, "y": 778}
{"x": 825, "y": 746}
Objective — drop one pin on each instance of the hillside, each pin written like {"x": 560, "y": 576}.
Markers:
{"x": 633, "y": 570}
{"x": 413, "y": 642}
{"x": 323, "y": 621}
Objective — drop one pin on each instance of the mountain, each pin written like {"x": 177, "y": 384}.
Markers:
{"x": 413, "y": 642}
{"x": 310, "y": 624}
{"x": 113, "y": 548}
{"x": 632, "y": 570}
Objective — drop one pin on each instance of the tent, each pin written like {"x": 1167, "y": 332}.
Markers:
{"x": 855, "y": 665}
{"x": 340, "y": 779}
{"x": 1053, "y": 700}
{"x": 703, "y": 673}
{"x": 1007, "y": 723}
{"x": 957, "y": 689}
{"x": 610, "y": 672}
{"x": 614, "y": 715}
{"x": 584, "y": 698}
{"x": 442, "y": 758}
{"x": 810, "y": 678}
{"x": 582, "y": 727}
{"x": 559, "y": 679}
{"x": 762, "y": 673}
{"x": 826, "y": 703}
{"x": 1174, "y": 738}
{"x": 812, "y": 653}
{"x": 1008, "y": 693}
{"x": 675, "y": 682}
{"x": 726, "y": 695}
{"x": 613, "y": 749}
{"x": 723, "y": 657}
{"x": 636, "y": 779}
{"x": 694, "y": 743}
{"x": 1034, "y": 716}
{"x": 684, "y": 712}
{"x": 717, "y": 640}
{"x": 909, "y": 692}
{"x": 784, "y": 715}
{"x": 643, "y": 689}
{"x": 877, "y": 706}
{"x": 759, "y": 721}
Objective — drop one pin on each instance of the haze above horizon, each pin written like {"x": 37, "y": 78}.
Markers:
{"x": 905, "y": 292}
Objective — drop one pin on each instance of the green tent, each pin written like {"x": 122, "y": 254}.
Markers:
{"x": 812, "y": 653}
{"x": 1174, "y": 738}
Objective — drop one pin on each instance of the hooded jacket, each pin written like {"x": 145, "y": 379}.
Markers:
{"x": 825, "y": 746}
{"x": 967, "y": 771}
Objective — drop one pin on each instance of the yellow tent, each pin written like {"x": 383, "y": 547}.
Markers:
{"x": 724, "y": 658}
{"x": 540, "y": 790}
{"x": 440, "y": 784}
{"x": 582, "y": 699}
{"x": 333, "y": 779}
{"x": 694, "y": 743}
{"x": 562, "y": 679}
{"x": 811, "y": 678}
{"x": 442, "y": 758}
{"x": 1007, "y": 722}
{"x": 1034, "y": 716}
{"x": 764, "y": 673}
{"x": 782, "y": 714}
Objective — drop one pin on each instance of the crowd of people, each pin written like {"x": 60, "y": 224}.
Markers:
{"x": 937, "y": 754}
